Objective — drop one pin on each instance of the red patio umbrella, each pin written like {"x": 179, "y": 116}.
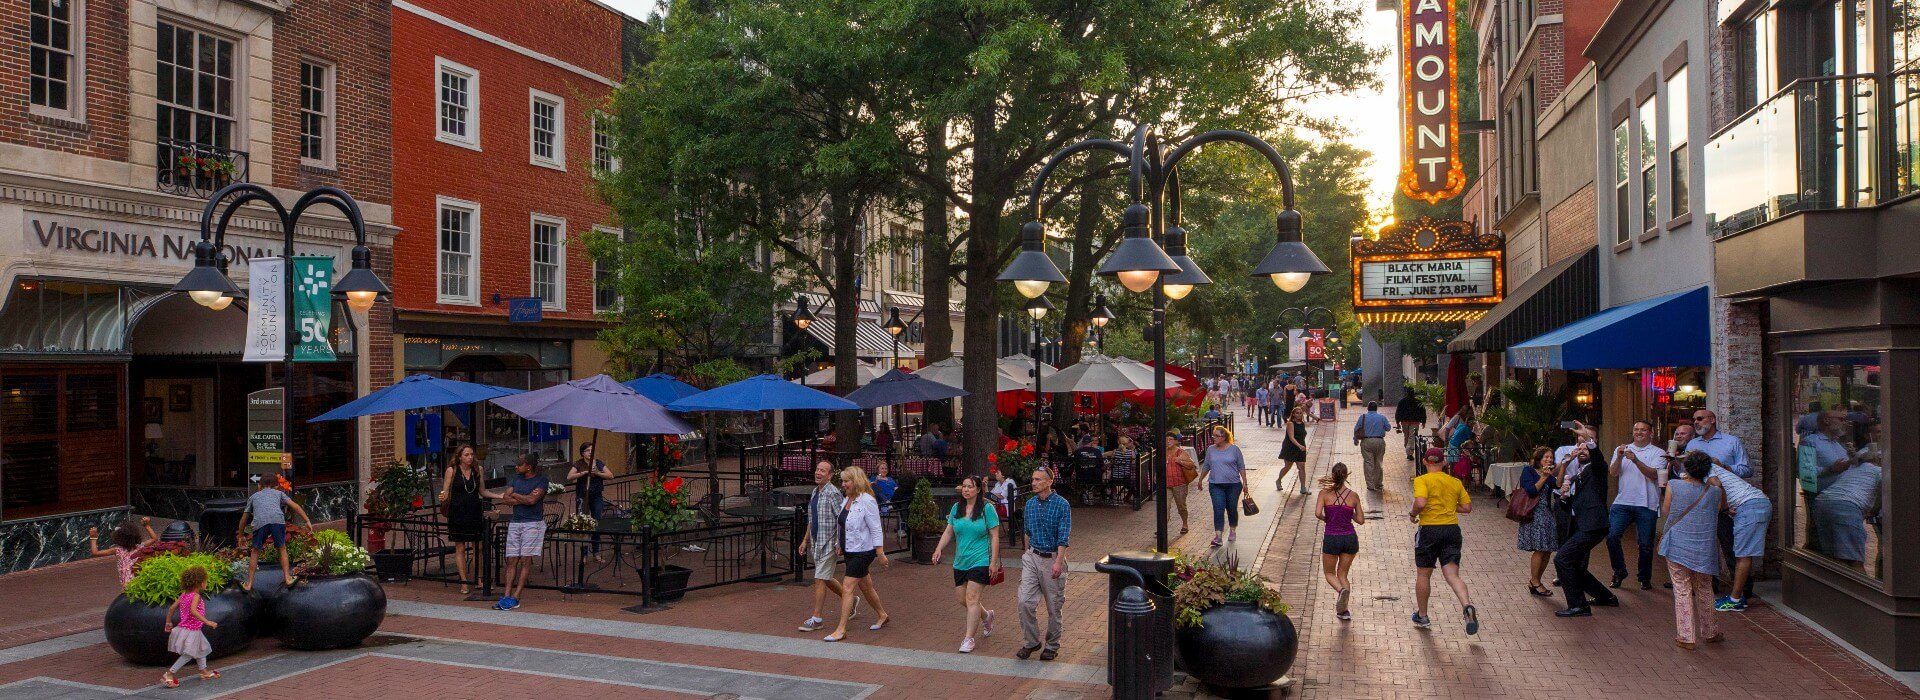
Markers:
{"x": 1456, "y": 383}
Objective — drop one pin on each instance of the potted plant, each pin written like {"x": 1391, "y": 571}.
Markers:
{"x": 136, "y": 621}
{"x": 394, "y": 493}
{"x": 924, "y": 523}
{"x": 334, "y": 605}
{"x": 1231, "y": 629}
{"x": 658, "y": 507}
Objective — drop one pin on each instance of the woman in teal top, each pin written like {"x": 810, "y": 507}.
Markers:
{"x": 972, "y": 527}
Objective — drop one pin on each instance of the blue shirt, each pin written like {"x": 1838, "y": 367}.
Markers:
{"x": 1725, "y": 448}
{"x": 1224, "y": 464}
{"x": 1371, "y": 425}
{"x": 523, "y": 485}
{"x": 884, "y": 488}
{"x": 1049, "y": 522}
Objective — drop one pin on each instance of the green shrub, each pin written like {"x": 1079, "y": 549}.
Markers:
{"x": 158, "y": 581}
{"x": 923, "y": 517}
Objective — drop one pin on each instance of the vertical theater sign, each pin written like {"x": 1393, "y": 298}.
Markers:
{"x": 1430, "y": 167}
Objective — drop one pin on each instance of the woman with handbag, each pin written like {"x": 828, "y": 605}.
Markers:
{"x": 973, "y": 527}
{"x": 1180, "y": 472}
{"x": 1532, "y": 507}
{"x": 1224, "y": 471}
{"x": 460, "y": 500}
{"x": 1691, "y": 547}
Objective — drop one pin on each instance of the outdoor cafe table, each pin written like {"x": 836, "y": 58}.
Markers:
{"x": 761, "y": 512}
{"x": 796, "y": 494}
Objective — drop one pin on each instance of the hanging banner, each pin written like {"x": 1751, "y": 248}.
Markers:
{"x": 1316, "y": 344}
{"x": 1430, "y": 167}
{"x": 313, "y": 307}
{"x": 266, "y": 310}
{"x": 1296, "y": 345}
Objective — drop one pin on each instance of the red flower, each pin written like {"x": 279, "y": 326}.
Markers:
{"x": 1006, "y": 444}
{"x": 1026, "y": 450}
{"x": 672, "y": 485}
{"x": 676, "y": 454}
{"x": 417, "y": 502}
{"x": 993, "y": 458}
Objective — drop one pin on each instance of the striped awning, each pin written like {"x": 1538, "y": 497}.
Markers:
{"x": 914, "y": 300}
{"x": 869, "y": 340}
{"x": 821, "y": 303}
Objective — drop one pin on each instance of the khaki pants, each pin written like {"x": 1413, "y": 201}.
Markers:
{"x": 1372, "y": 450}
{"x": 1037, "y": 582}
{"x": 1178, "y": 494}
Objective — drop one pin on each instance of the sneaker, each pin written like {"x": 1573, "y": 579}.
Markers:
{"x": 1340, "y": 603}
{"x": 513, "y": 604}
{"x": 502, "y": 604}
{"x": 1729, "y": 604}
{"x": 812, "y": 624}
{"x": 1343, "y": 616}
{"x": 966, "y": 645}
{"x": 1473, "y": 619}
{"x": 986, "y": 624}
{"x": 1421, "y": 621}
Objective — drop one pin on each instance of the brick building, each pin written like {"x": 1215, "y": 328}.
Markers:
{"x": 496, "y": 143}
{"x": 118, "y": 118}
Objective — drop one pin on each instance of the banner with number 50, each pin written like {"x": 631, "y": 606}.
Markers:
{"x": 313, "y": 307}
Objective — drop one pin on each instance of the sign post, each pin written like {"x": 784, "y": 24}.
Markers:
{"x": 266, "y": 442}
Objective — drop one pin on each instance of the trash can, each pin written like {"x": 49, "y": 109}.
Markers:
{"x": 219, "y": 520}
{"x": 1156, "y": 645}
{"x": 1130, "y": 618}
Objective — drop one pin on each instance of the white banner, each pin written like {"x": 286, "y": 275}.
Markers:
{"x": 1296, "y": 345}
{"x": 266, "y": 310}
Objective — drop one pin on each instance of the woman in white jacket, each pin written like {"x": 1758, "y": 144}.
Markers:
{"x": 862, "y": 540}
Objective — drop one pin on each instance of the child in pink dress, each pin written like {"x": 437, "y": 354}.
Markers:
{"x": 185, "y": 638}
{"x": 125, "y": 539}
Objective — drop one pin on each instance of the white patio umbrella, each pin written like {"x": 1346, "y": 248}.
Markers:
{"x": 952, "y": 372}
{"x": 862, "y": 373}
{"x": 1020, "y": 367}
{"x": 1100, "y": 373}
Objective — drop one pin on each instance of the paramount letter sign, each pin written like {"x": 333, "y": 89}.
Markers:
{"x": 1430, "y": 168}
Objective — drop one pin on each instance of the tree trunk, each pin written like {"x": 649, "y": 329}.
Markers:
{"x": 937, "y": 258}
{"x": 1073, "y": 333}
{"x": 843, "y": 217}
{"x": 980, "y": 417}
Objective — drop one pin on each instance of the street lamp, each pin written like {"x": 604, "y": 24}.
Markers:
{"x": 1179, "y": 284}
{"x": 1306, "y": 314}
{"x": 1031, "y": 272}
{"x": 1100, "y": 318}
{"x": 1140, "y": 264}
{"x": 894, "y": 327}
{"x": 1037, "y": 309}
{"x": 801, "y": 316}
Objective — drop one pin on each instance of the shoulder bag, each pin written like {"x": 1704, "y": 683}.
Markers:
{"x": 1520, "y": 505}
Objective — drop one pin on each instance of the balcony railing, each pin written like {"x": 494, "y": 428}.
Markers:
{"x": 197, "y": 169}
{"x": 1814, "y": 145}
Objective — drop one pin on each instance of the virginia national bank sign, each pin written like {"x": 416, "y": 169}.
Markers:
{"x": 75, "y": 237}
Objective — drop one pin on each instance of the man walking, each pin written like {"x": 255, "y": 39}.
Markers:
{"x": 1583, "y": 495}
{"x": 1043, "y": 568}
{"x": 1370, "y": 433}
{"x": 1438, "y": 501}
{"x": 1411, "y": 415}
{"x": 1261, "y": 404}
{"x": 526, "y": 530}
{"x": 1640, "y": 470}
{"x": 821, "y": 542}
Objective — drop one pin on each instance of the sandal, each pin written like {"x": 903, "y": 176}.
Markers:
{"x": 169, "y": 681}
{"x": 209, "y": 675}
{"x": 881, "y": 624}
{"x": 1541, "y": 591}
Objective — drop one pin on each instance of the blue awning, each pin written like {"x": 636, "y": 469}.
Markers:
{"x": 1666, "y": 331}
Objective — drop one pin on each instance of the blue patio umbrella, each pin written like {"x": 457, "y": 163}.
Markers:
{"x": 663, "y": 389}
{"x": 596, "y": 402}
{"x": 766, "y": 392}
{"x": 415, "y": 392}
{"x": 897, "y": 387}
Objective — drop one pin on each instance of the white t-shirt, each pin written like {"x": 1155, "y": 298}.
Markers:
{"x": 1003, "y": 490}
{"x": 1635, "y": 488}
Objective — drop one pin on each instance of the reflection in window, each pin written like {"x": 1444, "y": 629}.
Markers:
{"x": 1838, "y": 459}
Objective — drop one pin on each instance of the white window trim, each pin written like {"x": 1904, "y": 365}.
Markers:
{"x": 329, "y": 116}
{"x": 613, "y": 156}
{"x": 559, "y": 159}
{"x": 76, "y": 110}
{"x": 560, "y": 275}
{"x": 618, "y": 234}
{"x": 472, "y": 139}
{"x": 473, "y": 273}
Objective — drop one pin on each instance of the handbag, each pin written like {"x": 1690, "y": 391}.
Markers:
{"x": 1520, "y": 505}
{"x": 1248, "y": 507}
{"x": 996, "y": 577}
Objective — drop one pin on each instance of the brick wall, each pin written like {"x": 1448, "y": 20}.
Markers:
{"x": 1570, "y": 227}
{"x": 351, "y": 36}
{"x": 379, "y": 361}
{"x": 104, "y": 133}
{"x": 1734, "y": 389}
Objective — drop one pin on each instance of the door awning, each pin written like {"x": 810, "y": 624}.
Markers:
{"x": 869, "y": 340}
{"x": 1560, "y": 294}
{"x": 1665, "y": 331}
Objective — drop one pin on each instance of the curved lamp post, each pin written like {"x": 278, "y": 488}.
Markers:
{"x": 1100, "y": 317}
{"x": 1306, "y": 314}
{"x": 1139, "y": 262}
{"x": 1037, "y": 309}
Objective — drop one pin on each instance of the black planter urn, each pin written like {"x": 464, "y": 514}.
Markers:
{"x": 139, "y": 632}
{"x": 923, "y": 546}
{"x": 1237, "y": 645}
{"x": 669, "y": 582}
{"x": 329, "y": 612}
{"x": 268, "y": 583}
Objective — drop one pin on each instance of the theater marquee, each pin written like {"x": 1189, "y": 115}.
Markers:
{"x": 1427, "y": 270}
{"x": 1430, "y": 167}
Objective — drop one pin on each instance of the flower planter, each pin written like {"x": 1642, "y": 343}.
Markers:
{"x": 329, "y": 612}
{"x": 394, "y": 565}
{"x": 1237, "y": 645}
{"x": 139, "y": 632}
{"x": 669, "y": 583}
{"x": 268, "y": 584}
{"x": 923, "y": 546}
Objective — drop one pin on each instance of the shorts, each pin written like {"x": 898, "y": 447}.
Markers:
{"x": 858, "y": 563}
{"x": 276, "y": 531}
{"x": 525, "y": 539}
{"x": 1340, "y": 544}
{"x": 978, "y": 574}
{"x": 1750, "y": 528}
{"x": 1436, "y": 544}
{"x": 823, "y": 562}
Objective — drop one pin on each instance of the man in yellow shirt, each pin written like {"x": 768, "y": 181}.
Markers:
{"x": 1438, "y": 501}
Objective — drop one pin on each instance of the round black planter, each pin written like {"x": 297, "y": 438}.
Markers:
{"x": 138, "y": 632}
{"x": 923, "y": 546}
{"x": 268, "y": 583}
{"x": 329, "y": 612}
{"x": 1237, "y": 645}
{"x": 669, "y": 582}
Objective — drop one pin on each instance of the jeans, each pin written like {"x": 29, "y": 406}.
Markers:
{"x": 1619, "y": 515}
{"x": 1226, "y": 504}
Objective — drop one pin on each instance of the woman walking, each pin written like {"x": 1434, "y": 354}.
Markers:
{"x": 1224, "y": 471}
{"x": 862, "y": 540}
{"x": 1339, "y": 508}
{"x": 1692, "y": 549}
{"x": 1180, "y": 472}
{"x": 1293, "y": 452}
{"x": 1540, "y": 536}
{"x": 461, "y": 490}
{"x": 973, "y": 527}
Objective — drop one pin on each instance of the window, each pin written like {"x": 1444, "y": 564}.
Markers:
{"x": 906, "y": 259}
{"x": 1839, "y": 456}
{"x": 547, "y": 130}
{"x": 459, "y": 251}
{"x": 1622, "y": 221}
{"x": 195, "y": 81}
{"x": 606, "y": 289}
{"x": 1754, "y": 69}
{"x": 459, "y": 100}
{"x": 1649, "y": 166}
{"x": 549, "y": 261}
{"x": 54, "y": 56}
{"x": 1677, "y": 168}
{"x": 316, "y": 113}
{"x": 63, "y": 439}
{"x": 1519, "y": 176}
{"x": 603, "y": 158}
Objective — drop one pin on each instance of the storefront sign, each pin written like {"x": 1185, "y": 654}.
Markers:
{"x": 1430, "y": 167}
{"x": 266, "y": 311}
{"x": 524, "y": 310}
{"x": 313, "y": 307}
{"x": 1470, "y": 277}
{"x": 73, "y": 236}
{"x": 1427, "y": 270}
{"x": 266, "y": 444}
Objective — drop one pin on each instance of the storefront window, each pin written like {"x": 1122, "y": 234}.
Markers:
{"x": 62, "y": 446}
{"x": 1838, "y": 459}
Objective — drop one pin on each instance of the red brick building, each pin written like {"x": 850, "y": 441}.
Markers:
{"x": 495, "y": 148}
{"x": 117, "y": 119}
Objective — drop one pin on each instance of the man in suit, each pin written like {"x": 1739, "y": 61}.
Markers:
{"x": 1583, "y": 497}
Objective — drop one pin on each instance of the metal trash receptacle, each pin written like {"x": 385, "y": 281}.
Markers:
{"x": 219, "y": 520}
{"x": 1154, "y": 569}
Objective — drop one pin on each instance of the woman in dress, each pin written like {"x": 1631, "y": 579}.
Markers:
{"x": 466, "y": 515}
{"x": 1293, "y": 452}
{"x": 862, "y": 541}
{"x": 972, "y": 527}
{"x": 1541, "y": 535}
{"x": 1339, "y": 508}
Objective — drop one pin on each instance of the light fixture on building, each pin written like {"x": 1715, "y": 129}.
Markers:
{"x": 1583, "y": 396}
{"x": 1031, "y": 272}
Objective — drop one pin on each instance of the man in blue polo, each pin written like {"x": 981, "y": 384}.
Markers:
{"x": 1043, "y": 568}
{"x": 1370, "y": 433}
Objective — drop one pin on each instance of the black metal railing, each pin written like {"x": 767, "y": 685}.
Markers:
{"x": 198, "y": 169}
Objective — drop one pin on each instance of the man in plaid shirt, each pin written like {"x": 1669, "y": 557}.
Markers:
{"x": 822, "y": 542}
{"x": 1043, "y": 568}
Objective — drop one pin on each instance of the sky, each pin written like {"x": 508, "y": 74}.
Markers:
{"x": 1371, "y": 117}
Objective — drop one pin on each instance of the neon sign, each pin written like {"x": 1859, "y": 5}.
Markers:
{"x": 1430, "y": 167}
